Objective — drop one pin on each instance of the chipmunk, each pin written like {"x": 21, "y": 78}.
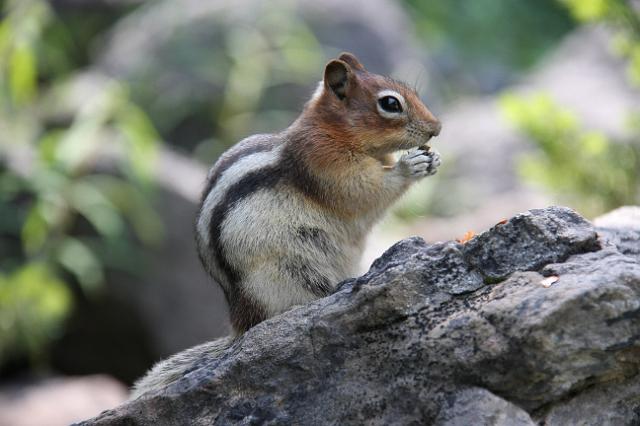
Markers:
{"x": 284, "y": 216}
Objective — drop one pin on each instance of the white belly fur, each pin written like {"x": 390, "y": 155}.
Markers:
{"x": 259, "y": 237}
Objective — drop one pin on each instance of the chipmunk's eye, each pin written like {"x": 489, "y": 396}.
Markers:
{"x": 390, "y": 104}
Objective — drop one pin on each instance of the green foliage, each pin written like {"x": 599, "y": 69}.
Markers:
{"x": 20, "y": 30}
{"x": 581, "y": 167}
{"x": 246, "y": 61}
{"x": 33, "y": 303}
{"x": 588, "y": 10}
{"x": 70, "y": 191}
{"x": 487, "y": 38}
{"x": 282, "y": 49}
{"x": 584, "y": 168}
{"x": 620, "y": 15}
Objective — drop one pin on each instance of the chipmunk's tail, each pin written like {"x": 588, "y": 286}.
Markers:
{"x": 171, "y": 369}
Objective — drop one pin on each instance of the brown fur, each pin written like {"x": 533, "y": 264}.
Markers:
{"x": 345, "y": 144}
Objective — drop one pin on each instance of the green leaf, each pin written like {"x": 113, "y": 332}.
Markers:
{"x": 48, "y": 146}
{"x": 134, "y": 204}
{"x": 141, "y": 141}
{"x": 34, "y": 231}
{"x": 89, "y": 201}
{"x": 83, "y": 139}
{"x": 588, "y": 10}
{"x": 78, "y": 259}
{"x": 33, "y": 305}
{"x": 564, "y": 162}
{"x": 634, "y": 64}
{"x": 146, "y": 222}
{"x": 22, "y": 74}
{"x": 594, "y": 144}
{"x": 78, "y": 143}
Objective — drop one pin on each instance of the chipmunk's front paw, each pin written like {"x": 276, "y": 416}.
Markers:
{"x": 419, "y": 163}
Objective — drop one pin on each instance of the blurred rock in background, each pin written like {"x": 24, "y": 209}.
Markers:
{"x": 248, "y": 63}
{"x": 481, "y": 148}
{"x": 57, "y": 401}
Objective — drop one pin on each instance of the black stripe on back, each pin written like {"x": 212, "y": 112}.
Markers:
{"x": 252, "y": 182}
{"x": 244, "y": 312}
{"x": 225, "y": 162}
{"x": 221, "y": 166}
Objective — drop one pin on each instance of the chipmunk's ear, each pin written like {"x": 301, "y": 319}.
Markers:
{"x": 351, "y": 59}
{"x": 338, "y": 77}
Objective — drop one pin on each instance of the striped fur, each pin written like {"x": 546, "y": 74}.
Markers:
{"x": 261, "y": 238}
{"x": 284, "y": 217}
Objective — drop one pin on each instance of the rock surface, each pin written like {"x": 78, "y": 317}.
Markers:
{"x": 621, "y": 227}
{"x": 448, "y": 334}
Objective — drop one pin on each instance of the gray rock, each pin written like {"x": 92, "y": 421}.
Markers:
{"x": 612, "y": 404}
{"x": 627, "y": 241}
{"x": 422, "y": 338}
{"x": 529, "y": 241}
{"x": 623, "y": 218}
{"x": 477, "y": 406}
{"x": 621, "y": 227}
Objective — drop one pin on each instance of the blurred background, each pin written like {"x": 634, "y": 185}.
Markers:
{"x": 111, "y": 112}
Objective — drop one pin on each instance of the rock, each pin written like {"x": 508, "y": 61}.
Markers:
{"x": 614, "y": 403}
{"x": 57, "y": 400}
{"x": 477, "y": 406}
{"x": 623, "y": 218}
{"x": 621, "y": 228}
{"x": 529, "y": 241}
{"x": 437, "y": 334}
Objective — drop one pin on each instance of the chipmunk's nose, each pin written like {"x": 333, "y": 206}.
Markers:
{"x": 434, "y": 128}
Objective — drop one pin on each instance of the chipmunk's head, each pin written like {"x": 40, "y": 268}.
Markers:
{"x": 379, "y": 114}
